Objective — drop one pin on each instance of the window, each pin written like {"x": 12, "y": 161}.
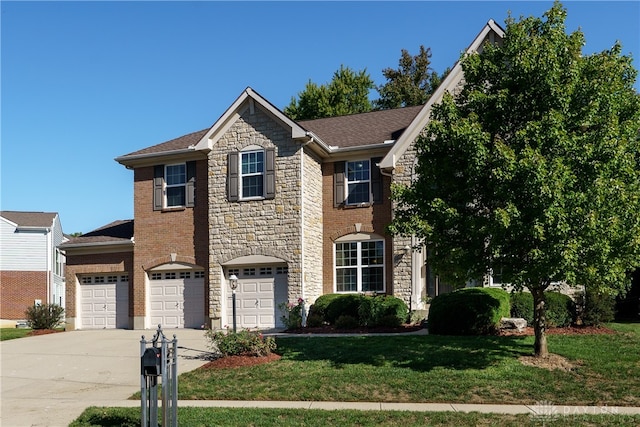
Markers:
{"x": 175, "y": 181}
{"x": 360, "y": 266}
{"x": 249, "y": 272}
{"x": 251, "y": 174}
{"x": 98, "y": 279}
{"x": 124, "y": 278}
{"x": 198, "y": 274}
{"x": 112, "y": 279}
{"x": 357, "y": 182}
{"x": 174, "y": 185}
{"x": 282, "y": 270}
{"x": 266, "y": 271}
{"x": 156, "y": 276}
{"x": 185, "y": 275}
{"x": 170, "y": 275}
{"x": 86, "y": 280}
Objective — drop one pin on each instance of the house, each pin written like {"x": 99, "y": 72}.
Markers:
{"x": 31, "y": 265}
{"x": 292, "y": 209}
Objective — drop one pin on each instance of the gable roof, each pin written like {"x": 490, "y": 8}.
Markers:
{"x": 488, "y": 34}
{"x": 115, "y": 233}
{"x": 30, "y": 219}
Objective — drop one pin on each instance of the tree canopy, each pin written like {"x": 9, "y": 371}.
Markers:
{"x": 533, "y": 170}
{"x": 410, "y": 84}
{"x": 347, "y": 93}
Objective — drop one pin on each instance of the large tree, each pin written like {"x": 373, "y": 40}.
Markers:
{"x": 410, "y": 84}
{"x": 346, "y": 93}
{"x": 533, "y": 170}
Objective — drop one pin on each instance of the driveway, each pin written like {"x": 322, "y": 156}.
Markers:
{"x": 49, "y": 380}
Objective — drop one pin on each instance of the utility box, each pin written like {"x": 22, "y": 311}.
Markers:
{"x": 151, "y": 362}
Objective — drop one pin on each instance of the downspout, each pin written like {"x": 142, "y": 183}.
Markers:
{"x": 48, "y": 266}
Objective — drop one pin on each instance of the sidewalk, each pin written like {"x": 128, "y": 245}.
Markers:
{"x": 542, "y": 409}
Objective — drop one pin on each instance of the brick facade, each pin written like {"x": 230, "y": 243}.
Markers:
{"x": 19, "y": 290}
{"x": 160, "y": 233}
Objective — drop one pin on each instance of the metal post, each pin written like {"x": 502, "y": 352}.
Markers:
{"x": 174, "y": 383}
{"x": 143, "y": 389}
{"x": 233, "y": 299}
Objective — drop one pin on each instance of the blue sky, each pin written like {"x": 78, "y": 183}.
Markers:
{"x": 85, "y": 82}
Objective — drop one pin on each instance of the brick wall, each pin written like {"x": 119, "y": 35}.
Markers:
{"x": 117, "y": 262}
{"x": 158, "y": 234}
{"x": 341, "y": 221}
{"x": 19, "y": 290}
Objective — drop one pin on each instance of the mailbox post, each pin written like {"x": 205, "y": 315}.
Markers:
{"x": 159, "y": 360}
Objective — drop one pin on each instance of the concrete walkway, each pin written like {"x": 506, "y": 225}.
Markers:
{"x": 49, "y": 380}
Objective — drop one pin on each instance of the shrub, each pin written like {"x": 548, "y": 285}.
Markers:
{"x": 376, "y": 310}
{"x": 343, "y": 305}
{"x": 469, "y": 311}
{"x": 560, "y": 311}
{"x": 243, "y": 343}
{"x": 292, "y": 314}
{"x": 522, "y": 306}
{"x": 314, "y": 321}
{"x": 346, "y": 322}
{"x": 319, "y": 307}
{"x": 44, "y": 316}
{"x": 597, "y": 308}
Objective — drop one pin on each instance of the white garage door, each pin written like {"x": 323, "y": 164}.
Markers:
{"x": 104, "y": 301}
{"x": 177, "y": 299}
{"x": 260, "y": 291}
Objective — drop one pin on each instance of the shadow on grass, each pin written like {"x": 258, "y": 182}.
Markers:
{"x": 420, "y": 353}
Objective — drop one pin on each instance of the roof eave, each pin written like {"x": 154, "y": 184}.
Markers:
{"x": 147, "y": 159}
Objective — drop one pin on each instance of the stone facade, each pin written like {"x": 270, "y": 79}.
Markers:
{"x": 312, "y": 221}
{"x": 267, "y": 227}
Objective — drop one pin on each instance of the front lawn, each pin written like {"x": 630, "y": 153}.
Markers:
{"x": 187, "y": 417}
{"x": 12, "y": 333}
{"x": 429, "y": 368}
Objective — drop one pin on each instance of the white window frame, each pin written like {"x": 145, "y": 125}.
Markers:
{"x": 242, "y": 175}
{"x": 348, "y": 182}
{"x": 168, "y": 186}
{"x": 359, "y": 267}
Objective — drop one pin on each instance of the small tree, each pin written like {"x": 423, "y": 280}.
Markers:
{"x": 347, "y": 93}
{"x": 44, "y": 316}
{"x": 534, "y": 169}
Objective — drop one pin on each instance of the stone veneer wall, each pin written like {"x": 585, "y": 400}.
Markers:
{"x": 256, "y": 227}
{"x": 312, "y": 227}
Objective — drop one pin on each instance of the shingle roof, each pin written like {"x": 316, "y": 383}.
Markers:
{"x": 117, "y": 231}
{"x": 356, "y": 130}
{"x": 30, "y": 219}
{"x": 180, "y": 143}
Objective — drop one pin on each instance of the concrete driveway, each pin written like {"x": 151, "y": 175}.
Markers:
{"x": 49, "y": 380}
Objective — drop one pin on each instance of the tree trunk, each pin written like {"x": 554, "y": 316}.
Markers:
{"x": 539, "y": 322}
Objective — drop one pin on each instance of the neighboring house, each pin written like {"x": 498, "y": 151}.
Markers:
{"x": 31, "y": 265}
{"x": 292, "y": 209}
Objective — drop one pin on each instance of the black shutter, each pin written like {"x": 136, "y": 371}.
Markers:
{"x": 232, "y": 177}
{"x": 270, "y": 175}
{"x": 338, "y": 184}
{"x": 376, "y": 180}
{"x": 191, "y": 185}
{"x": 158, "y": 184}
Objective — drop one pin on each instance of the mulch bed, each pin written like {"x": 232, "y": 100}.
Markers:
{"x": 240, "y": 361}
{"x": 37, "y": 332}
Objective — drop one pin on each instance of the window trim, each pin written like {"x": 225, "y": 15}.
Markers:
{"x": 160, "y": 186}
{"x": 341, "y": 183}
{"x": 167, "y": 186}
{"x": 243, "y": 175}
{"x": 234, "y": 174}
{"x": 348, "y": 182}
{"x": 359, "y": 265}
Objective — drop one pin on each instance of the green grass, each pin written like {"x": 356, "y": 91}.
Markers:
{"x": 187, "y": 417}
{"x": 434, "y": 369}
{"x": 13, "y": 333}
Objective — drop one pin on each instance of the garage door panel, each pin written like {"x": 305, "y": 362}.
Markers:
{"x": 257, "y": 298}
{"x": 104, "y": 305}
{"x": 177, "y": 303}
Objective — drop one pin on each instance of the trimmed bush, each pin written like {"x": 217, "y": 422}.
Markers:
{"x": 44, "y": 316}
{"x": 319, "y": 307}
{"x": 346, "y": 322}
{"x": 469, "y": 311}
{"x": 343, "y": 305}
{"x": 522, "y": 306}
{"x": 561, "y": 310}
{"x": 383, "y": 310}
{"x": 314, "y": 321}
{"x": 597, "y": 308}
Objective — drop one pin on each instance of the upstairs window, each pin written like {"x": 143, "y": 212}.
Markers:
{"x": 174, "y": 186}
{"x": 251, "y": 174}
{"x": 176, "y": 182}
{"x": 357, "y": 182}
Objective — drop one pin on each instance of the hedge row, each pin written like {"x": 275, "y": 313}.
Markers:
{"x": 346, "y": 311}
